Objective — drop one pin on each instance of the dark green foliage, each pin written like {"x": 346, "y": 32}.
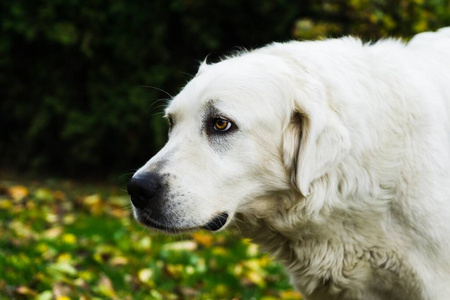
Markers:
{"x": 73, "y": 74}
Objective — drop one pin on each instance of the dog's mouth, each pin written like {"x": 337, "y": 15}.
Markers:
{"x": 215, "y": 224}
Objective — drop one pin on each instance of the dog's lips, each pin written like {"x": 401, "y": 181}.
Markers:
{"x": 153, "y": 224}
{"x": 215, "y": 224}
{"x": 218, "y": 222}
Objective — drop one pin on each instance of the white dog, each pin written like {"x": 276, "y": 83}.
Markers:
{"x": 334, "y": 156}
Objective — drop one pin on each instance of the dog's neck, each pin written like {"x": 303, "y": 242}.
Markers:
{"x": 340, "y": 260}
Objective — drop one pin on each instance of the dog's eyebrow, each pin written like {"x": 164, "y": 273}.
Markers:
{"x": 211, "y": 109}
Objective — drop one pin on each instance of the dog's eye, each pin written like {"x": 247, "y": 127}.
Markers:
{"x": 221, "y": 124}
{"x": 171, "y": 123}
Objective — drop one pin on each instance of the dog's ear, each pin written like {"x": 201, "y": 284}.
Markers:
{"x": 314, "y": 143}
{"x": 203, "y": 65}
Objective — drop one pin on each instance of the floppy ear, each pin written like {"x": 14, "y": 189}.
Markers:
{"x": 314, "y": 143}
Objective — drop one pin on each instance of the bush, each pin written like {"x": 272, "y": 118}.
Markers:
{"x": 74, "y": 74}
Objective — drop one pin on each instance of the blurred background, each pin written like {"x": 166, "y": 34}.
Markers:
{"x": 80, "y": 81}
{"x": 82, "y": 88}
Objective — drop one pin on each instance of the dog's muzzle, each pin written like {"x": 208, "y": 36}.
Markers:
{"x": 147, "y": 194}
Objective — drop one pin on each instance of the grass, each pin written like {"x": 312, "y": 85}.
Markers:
{"x": 64, "y": 240}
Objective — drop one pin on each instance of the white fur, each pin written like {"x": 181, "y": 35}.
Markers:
{"x": 340, "y": 166}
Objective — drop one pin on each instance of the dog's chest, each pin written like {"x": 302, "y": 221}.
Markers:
{"x": 332, "y": 269}
{"x": 335, "y": 271}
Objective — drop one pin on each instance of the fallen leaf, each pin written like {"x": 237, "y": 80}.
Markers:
{"x": 203, "y": 238}
{"x": 290, "y": 295}
{"x": 59, "y": 195}
{"x": 69, "y": 219}
{"x": 60, "y": 291}
{"x": 119, "y": 261}
{"x": 252, "y": 250}
{"x": 174, "y": 270}
{"x": 18, "y": 192}
{"x": 23, "y": 290}
{"x": 105, "y": 286}
{"x": 64, "y": 257}
{"x": 92, "y": 200}
{"x": 220, "y": 251}
{"x": 94, "y": 203}
{"x": 53, "y": 233}
{"x": 5, "y": 204}
{"x": 61, "y": 268}
{"x": 145, "y": 275}
{"x": 43, "y": 194}
{"x": 69, "y": 238}
{"x": 180, "y": 246}
{"x": 45, "y": 295}
{"x": 188, "y": 292}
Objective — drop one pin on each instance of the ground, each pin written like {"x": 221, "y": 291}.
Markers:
{"x": 61, "y": 239}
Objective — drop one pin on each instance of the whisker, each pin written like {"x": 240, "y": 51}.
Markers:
{"x": 157, "y": 112}
{"x": 158, "y": 89}
{"x": 127, "y": 174}
{"x": 158, "y": 101}
{"x": 190, "y": 75}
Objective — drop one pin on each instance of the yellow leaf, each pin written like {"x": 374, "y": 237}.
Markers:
{"x": 69, "y": 219}
{"x": 421, "y": 26}
{"x": 18, "y": 192}
{"x": 6, "y": 203}
{"x": 51, "y": 217}
{"x": 86, "y": 275}
{"x": 64, "y": 257}
{"x": 252, "y": 250}
{"x": 43, "y": 194}
{"x": 246, "y": 241}
{"x": 42, "y": 248}
{"x": 58, "y": 195}
{"x": 23, "y": 290}
{"x": 202, "y": 238}
{"x": 53, "y": 233}
{"x": 175, "y": 270}
{"x": 238, "y": 270}
{"x": 256, "y": 278}
{"x": 145, "y": 275}
{"x": 190, "y": 270}
{"x": 269, "y": 298}
{"x": 144, "y": 243}
{"x": 221, "y": 289}
{"x": 92, "y": 200}
{"x": 30, "y": 205}
{"x": 106, "y": 287}
{"x": 290, "y": 295}
{"x": 180, "y": 246}
{"x": 69, "y": 238}
{"x": 119, "y": 261}
{"x": 221, "y": 251}
{"x": 253, "y": 264}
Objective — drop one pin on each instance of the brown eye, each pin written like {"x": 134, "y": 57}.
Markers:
{"x": 221, "y": 124}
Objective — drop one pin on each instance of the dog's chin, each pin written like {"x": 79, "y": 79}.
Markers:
{"x": 215, "y": 224}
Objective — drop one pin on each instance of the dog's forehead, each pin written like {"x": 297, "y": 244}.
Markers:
{"x": 233, "y": 85}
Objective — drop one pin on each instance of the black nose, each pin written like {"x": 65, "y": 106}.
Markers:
{"x": 143, "y": 188}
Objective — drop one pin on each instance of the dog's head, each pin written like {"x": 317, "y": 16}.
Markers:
{"x": 241, "y": 131}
